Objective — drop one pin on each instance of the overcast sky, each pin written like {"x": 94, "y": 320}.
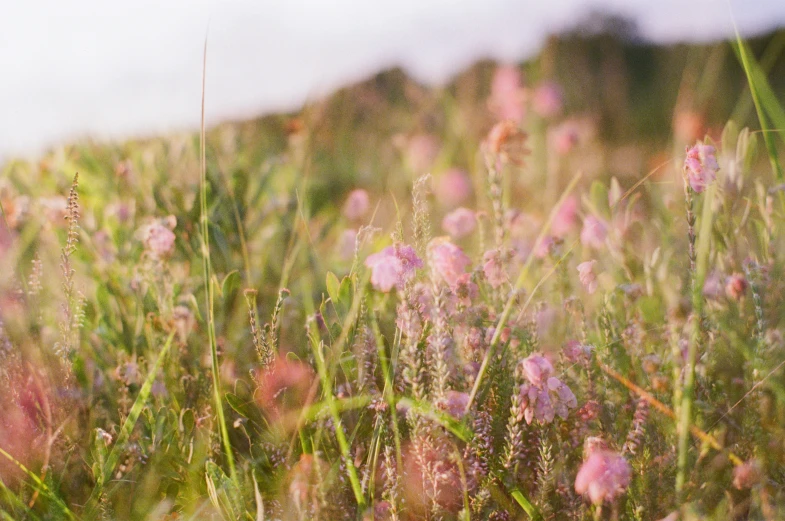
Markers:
{"x": 110, "y": 69}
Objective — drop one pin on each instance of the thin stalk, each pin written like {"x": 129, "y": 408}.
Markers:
{"x": 688, "y": 391}
{"x": 207, "y": 274}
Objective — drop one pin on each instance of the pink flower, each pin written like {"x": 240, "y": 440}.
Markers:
{"x": 566, "y": 217}
{"x": 712, "y": 287}
{"x": 506, "y": 100}
{"x": 700, "y": 166}
{"x": 460, "y": 222}
{"x": 421, "y": 152}
{"x": 455, "y": 403}
{"x": 453, "y": 187}
{"x": 564, "y": 138}
{"x": 603, "y": 476}
{"x": 158, "y": 240}
{"x": 587, "y": 276}
{"x": 735, "y": 286}
{"x": 392, "y": 266}
{"x": 357, "y": 205}
{"x": 447, "y": 260}
{"x": 547, "y": 100}
{"x": 544, "y": 396}
{"x": 506, "y": 143}
{"x": 466, "y": 290}
{"x": 746, "y": 475}
{"x": 494, "y": 268}
{"x": 594, "y": 232}
{"x": 537, "y": 369}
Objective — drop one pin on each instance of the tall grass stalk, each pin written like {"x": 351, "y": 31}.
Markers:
{"x": 207, "y": 275}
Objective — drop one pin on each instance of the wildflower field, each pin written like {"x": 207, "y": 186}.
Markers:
{"x": 405, "y": 303}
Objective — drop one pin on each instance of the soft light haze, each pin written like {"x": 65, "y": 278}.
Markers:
{"x": 107, "y": 70}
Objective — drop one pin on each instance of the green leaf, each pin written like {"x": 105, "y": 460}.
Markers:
{"x": 237, "y": 404}
{"x": 224, "y": 493}
{"x": 333, "y": 288}
{"x": 526, "y": 505}
{"x": 230, "y": 284}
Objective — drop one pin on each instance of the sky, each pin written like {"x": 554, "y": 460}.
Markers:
{"x": 106, "y": 69}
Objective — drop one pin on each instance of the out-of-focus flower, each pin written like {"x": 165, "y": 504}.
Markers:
{"x": 604, "y": 476}
{"x": 357, "y": 205}
{"x": 430, "y": 475}
{"x": 493, "y": 268}
{"x": 564, "y": 137}
{"x": 447, "y": 260}
{"x": 587, "y": 276}
{"x": 735, "y": 286}
{"x": 453, "y": 187}
{"x": 392, "y": 266}
{"x": 548, "y": 99}
{"x": 305, "y": 478}
{"x": 158, "y": 240}
{"x": 506, "y": 143}
{"x": 465, "y": 290}
{"x": 746, "y": 475}
{"x": 506, "y": 100}
{"x": 712, "y": 288}
{"x": 283, "y": 387}
{"x": 594, "y": 232}
{"x": 544, "y": 396}
{"x": 460, "y": 222}
{"x": 566, "y": 217}
{"x": 421, "y": 152}
{"x": 455, "y": 403}
{"x": 347, "y": 243}
{"x": 700, "y": 166}
{"x": 22, "y": 403}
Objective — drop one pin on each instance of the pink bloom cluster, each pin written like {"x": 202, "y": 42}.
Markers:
{"x": 493, "y": 267}
{"x": 544, "y": 396}
{"x": 357, "y": 205}
{"x": 460, "y": 222}
{"x": 603, "y": 476}
{"x": 700, "y": 166}
{"x": 594, "y": 232}
{"x": 506, "y": 100}
{"x": 447, "y": 261}
{"x": 158, "y": 240}
{"x": 453, "y": 187}
{"x": 392, "y": 266}
{"x": 587, "y": 276}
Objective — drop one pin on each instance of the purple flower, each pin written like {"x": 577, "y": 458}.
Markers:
{"x": 537, "y": 369}
{"x": 392, "y": 266}
{"x": 447, "y": 260}
{"x": 357, "y": 205}
{"x": 700, "y": 166}
{"x": 544, "y": 396}
{"x": 603, "y": 476}
{"x": 594, "y": 232}
{"x": 587, "y": 276}
{"x": 547, "y": 100}
{"x": 460, "y": 222}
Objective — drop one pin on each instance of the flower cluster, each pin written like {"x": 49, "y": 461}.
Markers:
{"x": 604, "y": 475}
{"x": 544, "y": 396}
{"x": 700, "y": 166}
{"x": 393, "y": 266}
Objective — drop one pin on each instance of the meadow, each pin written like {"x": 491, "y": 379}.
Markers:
{"x": 496, "y": 300}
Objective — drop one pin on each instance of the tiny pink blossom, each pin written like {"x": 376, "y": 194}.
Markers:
{"x": 494, "y": 268}
{"x": 357, "y": 205}
{"x": 158, "y": 240}
{"x": 421, "y": 152}
{"x": 548, "y": 99}
{"x": 700, "y": 166}
{"x": 735, "y": 286}
{"x": 594, "y": 232}
{"x": 447, "y": 260}
{"x": 566, "y": 217}
{"x": 604, "y": 476}
{"x": 392, "y": 267}
{"x": 453, "y": 187}
{"x": 466, "y": 290}
{"x": 587, "y": 276}
{"x": 506, "y": 100}
{"x": 460, "y": 222}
